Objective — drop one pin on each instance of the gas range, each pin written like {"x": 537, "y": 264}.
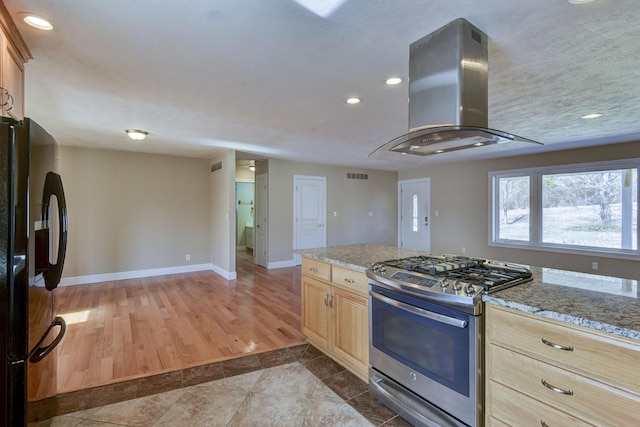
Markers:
{"x": 448, "y": 279}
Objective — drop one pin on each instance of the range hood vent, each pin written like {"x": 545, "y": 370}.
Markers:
{"x": 448, "y": 96}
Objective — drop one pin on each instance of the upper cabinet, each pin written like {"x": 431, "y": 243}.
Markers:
{"x": 15, "y": 54}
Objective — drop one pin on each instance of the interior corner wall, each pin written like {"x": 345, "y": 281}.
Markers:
{"x": 223, "y": 219}
{"x": 460, "y": 194}
{"x": 366, "y": 210}
{"x": 133, "y": 211}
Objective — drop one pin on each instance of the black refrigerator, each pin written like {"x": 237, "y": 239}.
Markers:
{"x": 33, "y": 239}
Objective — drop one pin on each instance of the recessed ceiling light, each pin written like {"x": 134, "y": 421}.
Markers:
{"x": 37, "y": 21}
{"x": 592, "y": 116}
{"x": 393, "y": 81}
{"x": 137, "y": 134}
{"x": 439, "y": 151}
{"x": 354, "y": 100}
{"x": 580, "y": 1}
{"x": 479, "y": 144}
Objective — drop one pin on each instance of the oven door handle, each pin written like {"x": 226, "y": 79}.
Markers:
{"x": 420, "y": 311}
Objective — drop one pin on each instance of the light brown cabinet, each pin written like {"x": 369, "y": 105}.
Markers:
{"x": 545, "y": 372}
{"x": 335, "y": 315}
{"x": 15, "y": 54}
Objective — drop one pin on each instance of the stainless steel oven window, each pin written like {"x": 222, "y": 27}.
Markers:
{"x": 430, "y": 339}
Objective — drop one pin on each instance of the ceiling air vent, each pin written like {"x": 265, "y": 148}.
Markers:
{"x": 351, "y": 175}
{"x": 216, "y": 166}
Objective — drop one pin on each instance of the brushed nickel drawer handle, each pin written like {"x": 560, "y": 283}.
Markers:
{"x": 326, "y": 297}
{"x": 331, "y": 301}
{"x": 349, "y": 280}
{"x": 556, "y": 389}
{"x": 557, "y": 346}
{"x": 543, "y": 424}
{"x": 315, "y": 270}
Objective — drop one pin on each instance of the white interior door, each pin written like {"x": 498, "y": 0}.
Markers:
{"x": 415, "y": 225}
{"x": 260, "y": 222}
{"x": 309, "y": 212}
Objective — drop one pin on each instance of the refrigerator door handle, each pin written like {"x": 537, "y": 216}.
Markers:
{"x": 39, "y": 353}
{"x": 53, "y": 187}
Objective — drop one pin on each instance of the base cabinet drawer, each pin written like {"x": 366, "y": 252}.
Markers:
{"x": 584, "y": 398}
{"x": 512, "y": 408}
{"x": 576, "y": 378}
{"x": 317, "y": 269}
{"x": 351, "y": 280}
{"x": 593, "y": 355}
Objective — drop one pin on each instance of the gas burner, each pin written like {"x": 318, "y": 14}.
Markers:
{"x": 461, "y": 276}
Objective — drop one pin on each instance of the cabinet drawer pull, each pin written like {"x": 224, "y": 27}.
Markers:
{"x": 326, "y": 297}
{"x": 331, "y": 301}
{"x": 557, "y": 346}
{"x": 556, "y": 389}
{"x": 349, "y": 280}
{"x": 315, "y": 270}
{"x": 543, "y": 424}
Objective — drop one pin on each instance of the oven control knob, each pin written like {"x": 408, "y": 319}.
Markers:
{"x": 469, "y": 290}
{"x": 383, "y": 269}
{"x": 413, "y": 376}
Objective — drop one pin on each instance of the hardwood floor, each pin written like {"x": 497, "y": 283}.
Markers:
{"x": 128, "y": 329}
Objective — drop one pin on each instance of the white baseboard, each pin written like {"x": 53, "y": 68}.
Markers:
{"x": 123, "y": 275}
{"x": 229, "y": 275}
{"x": 281, "y": 264}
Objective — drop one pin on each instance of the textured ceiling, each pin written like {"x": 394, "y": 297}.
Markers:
{"x": 269, "y": 78}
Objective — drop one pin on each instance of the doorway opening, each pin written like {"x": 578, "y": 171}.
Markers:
{"x": 245, "y": 208}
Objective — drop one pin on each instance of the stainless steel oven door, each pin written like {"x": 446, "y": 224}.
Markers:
{"x": 433, "y": 351}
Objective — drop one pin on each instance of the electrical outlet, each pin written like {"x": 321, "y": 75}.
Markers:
{"x": 594, "y": 265}
{"x": 335, "y": 213}
{"x": 187, "y": 257}
{"x": 370, "y": 213}
{"x": 463, "y": 250}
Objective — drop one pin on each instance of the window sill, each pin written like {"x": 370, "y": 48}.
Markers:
{"x": 565, "y": 250}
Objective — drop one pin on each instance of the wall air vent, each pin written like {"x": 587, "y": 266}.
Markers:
{"x": 351, "y": 175}
{"x": 216, "y": 166}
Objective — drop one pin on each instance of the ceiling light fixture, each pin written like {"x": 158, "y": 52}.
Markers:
{"x": 37, "y": 21}
{"x": 580, "y": 1}
{"x": 137, "y": 134}
{"x": 252, "y": 168}
{"x": 592, "y": 116}
{"x": 393, "y": 81}
{"x": 353, "y": 101}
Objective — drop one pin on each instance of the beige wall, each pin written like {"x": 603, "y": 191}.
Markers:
{"x": 460, "y": 193}
{"x": 133, "y": 211}
{"x": 223, "y": 218}
{"x": 351, "y": 199}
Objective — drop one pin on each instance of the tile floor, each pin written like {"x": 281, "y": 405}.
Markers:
{"x": 299, "y": 386}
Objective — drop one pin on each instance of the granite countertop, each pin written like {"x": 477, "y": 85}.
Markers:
{"x": 358, "y": 257}
{"x": 603, "y": 303}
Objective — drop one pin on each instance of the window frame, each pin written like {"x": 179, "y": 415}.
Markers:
{"x": 535, "y": 208}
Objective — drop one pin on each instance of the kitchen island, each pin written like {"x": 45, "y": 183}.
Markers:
{"x": 559, "y": 350}
{"x": 602, "y": 303}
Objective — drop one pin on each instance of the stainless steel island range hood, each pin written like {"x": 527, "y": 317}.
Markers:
{"x": 448, "y": 96}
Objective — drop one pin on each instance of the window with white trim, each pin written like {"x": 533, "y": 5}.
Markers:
{"x": 576, "y": 208}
